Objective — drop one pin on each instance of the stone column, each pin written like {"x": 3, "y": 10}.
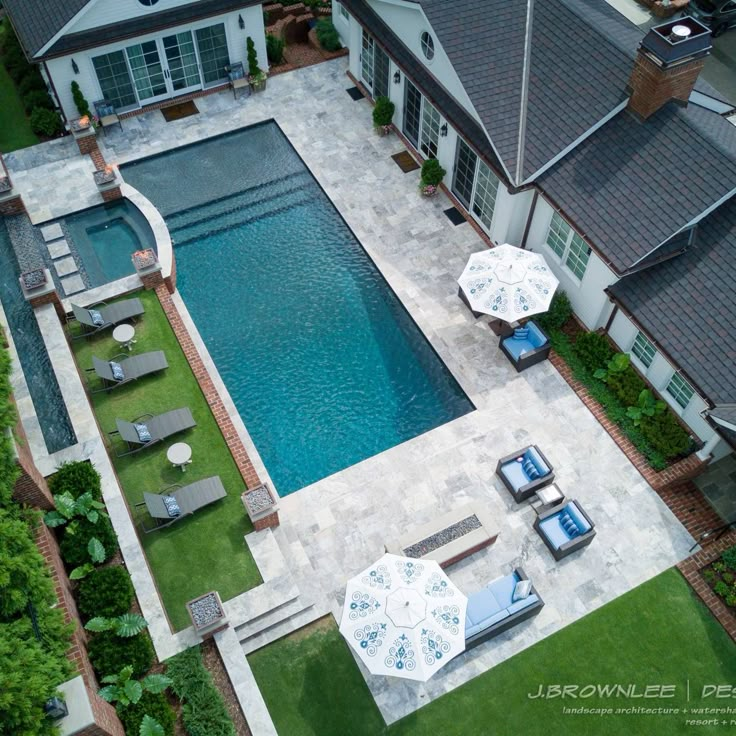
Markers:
{"x": 84, "y": 134}
{"x": 148, "y": 268}
{"x": 261, "y": 506}
{"x": 108, "y": 181}
{"x": 38, "y": 289}
{"x": 11, "y": 202}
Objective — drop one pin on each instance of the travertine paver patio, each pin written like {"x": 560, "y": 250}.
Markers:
{"x": 334, "y": 528}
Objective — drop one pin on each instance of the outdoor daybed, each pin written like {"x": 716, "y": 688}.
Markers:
{"x": 565, "y": 529}
{"x": 528, "y": 346}
{"x": 493, "y": 609}
{"x": 524, "y": 472}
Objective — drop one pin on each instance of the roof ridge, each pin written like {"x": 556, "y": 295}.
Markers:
{"x": 519, "y": 174}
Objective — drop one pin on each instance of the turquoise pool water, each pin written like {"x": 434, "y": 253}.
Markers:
{"x": 106, "y": 236}
{"x": 324, "y": 364}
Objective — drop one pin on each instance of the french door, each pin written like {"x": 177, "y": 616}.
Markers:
{"x": 182, "y": 63}
{"x": 374, "y": 66}
{"x": 474, "y": 184}
{"x": 148, "y": 72}
{"x": 421, "y": 121}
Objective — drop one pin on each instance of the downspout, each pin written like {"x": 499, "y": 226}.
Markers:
{"x": 529, "y": 219}
{"x": 50, "y": 81}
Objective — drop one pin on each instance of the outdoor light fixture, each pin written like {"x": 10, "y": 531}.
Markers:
{"x": 443, "y": 130}
{"x": 241, "y": 22}
{"x": 75, "y": 68}
{"x": 397, "y": 77}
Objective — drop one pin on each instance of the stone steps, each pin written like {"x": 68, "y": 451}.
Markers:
{"x": 294, "y": 622}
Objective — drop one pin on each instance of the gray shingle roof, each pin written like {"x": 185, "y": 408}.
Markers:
{"x": 725, "y": 412}
{"x": 687, "y": 305}
{"x": 632, "y": 184}
{"x": 37, "y": 21}
{"x": 577, "y": 74}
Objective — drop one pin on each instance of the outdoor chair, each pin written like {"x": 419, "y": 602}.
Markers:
{"x": 148, "y": 429}
{"x": 565, "y": 529}
{"x": 238, "y": 79}
{"x": 101, "y": 316}
{"x": 123, "y": 369}
{"x": 188, "y": 499}
{"x": 106, "y": 113}
{"x": 524, "y": 472}
{"x": 527, "y": 346}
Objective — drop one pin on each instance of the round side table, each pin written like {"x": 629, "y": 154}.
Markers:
{"x": 124, "y": 335}
{"x": 179, "y": 455}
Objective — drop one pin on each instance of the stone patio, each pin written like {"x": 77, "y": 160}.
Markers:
{"x": 336, "y": 527}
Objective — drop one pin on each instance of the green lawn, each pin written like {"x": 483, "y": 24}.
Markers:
{"x": 15, "y": 128}
{"x": 206, "y": 551}
{"x": 657, "y": 634}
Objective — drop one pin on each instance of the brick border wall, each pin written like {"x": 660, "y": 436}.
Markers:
{"x": 234, "y": 443}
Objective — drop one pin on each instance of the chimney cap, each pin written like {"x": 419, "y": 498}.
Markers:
{"x": 677, "y": 40}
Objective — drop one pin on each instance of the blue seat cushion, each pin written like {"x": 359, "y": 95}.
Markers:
{"x": 536, "y": 336}
{"x": 521, "y": 333}
{"x": 142, "y": 431}
{"x": 580, "y": 521}
{"x": 530, "y": 469}
{"x": 522, "y": 604}
{"x": 532, "y": 455}
{"x": 514, "y": 473}
{"x": 172, "y": 507}
{"x": 517, "y": 347}
{"x": 96, "y": 317}
{"x": 571, "y": 528}
{"x": 493, "y": 618}
{"x": 503, "y": 589}
{"x": 481, "y": 605}
{"x": 554, "y": 531}
{"x": 117, "y": 371}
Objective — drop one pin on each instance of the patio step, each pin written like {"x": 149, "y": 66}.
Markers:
{"x": 241, "y": 215}
{"x": 283, "y": 628}
{"x": 276, "y": 616}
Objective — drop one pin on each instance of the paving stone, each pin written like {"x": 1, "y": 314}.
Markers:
{"x": 52, "y": 232}
{"x": 72, "y": 284}
{"x": 66, "y": 266}
{"x": 58, "y": 248}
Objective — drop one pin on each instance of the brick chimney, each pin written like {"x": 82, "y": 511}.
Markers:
{"x": 667, "y": 64}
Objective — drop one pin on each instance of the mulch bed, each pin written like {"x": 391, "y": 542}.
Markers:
{"x": 214, "y": 665}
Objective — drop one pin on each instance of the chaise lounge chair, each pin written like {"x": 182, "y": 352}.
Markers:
{"x": 99, "y": 317}
{"x": 188, "y": 499}
{"x": 124, "y": 369}
{"x": 148, "y": 429}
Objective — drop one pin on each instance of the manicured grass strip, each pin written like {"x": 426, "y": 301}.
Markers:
{"x": 206, "y": 551}
{"x": 15, "y": 128}
{"x": 657, "y": 634}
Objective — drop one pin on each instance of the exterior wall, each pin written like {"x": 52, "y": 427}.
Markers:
{"x": 104, "y": 12}
{"x": 588, "y": 299}
{"x": 60, "y": 69}
{"x": 623, "y": 332}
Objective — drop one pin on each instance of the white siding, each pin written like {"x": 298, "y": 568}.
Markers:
{"x": 60, "y": 69}
{"x": 105, "y": 12}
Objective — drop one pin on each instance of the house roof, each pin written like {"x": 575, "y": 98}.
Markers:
{"x": 37, "y": 21}
{"x": 686, "y": 304}
{"x": 725, "y": 412}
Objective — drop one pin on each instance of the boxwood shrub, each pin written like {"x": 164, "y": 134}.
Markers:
{"x": 594, "y": 350}
{"x": 76, "y": 478}
{"x": 327, "y": 35}
{"x": 666, "y": 434}
{"x": 109, "y": 653}
{"x": 154, "y": 705}
{"x": 45, "y": 122}
{"x": 74, "y": 546}
{"x": 627, "y": 385}
{"x": 108, "y": 592}
{"x": 559, "y": 312}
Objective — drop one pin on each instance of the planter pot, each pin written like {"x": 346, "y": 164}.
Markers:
{"x": 429, "y": 190}
{"x": 383, "y": 130}
{"x": 258, "y": 85}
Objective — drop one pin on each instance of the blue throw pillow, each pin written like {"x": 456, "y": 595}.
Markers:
{"x": 571, "y": 528}
{"x": 103, "y": 109}
{"x": 117, "y": 371}
{"x": 521, "y": 333}
{"x": 238, "y": 73}
{"x": 143, "y": 434}
{"x": 564, "y": 516}
{"x": 97, "y": 318}
{"x": 530, "y": 469}
{"x": 172, "y": 507}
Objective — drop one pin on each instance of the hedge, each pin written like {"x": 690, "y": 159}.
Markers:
{"x": 74, "y": 546}
{"x": 154, "y": 705}
{"x": 109, "y": 653}
{"x": 76, "y": 478}
{"x": 108, "y": 592}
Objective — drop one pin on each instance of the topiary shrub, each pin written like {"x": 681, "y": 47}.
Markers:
{"x": 150, "y": 704}
{"x": 109, "y": 653}
{"x": 559, "y": 312}
{"x": 106, "y": 592}
{"x": 76, "y": 478}
{"x": 665, "y": 434}
{"x": 274, "y": 48}
{"x": 327, "y": 35}
{"x": 627, "y": 385}
{"x": 79, "y": 100}
{"x": 45, "y": 122}
{"x": 74, "y": 546}
{"x": 432, "y": 173}
{"x": 383, "y": 112}
{"x": 253, "y": 68}
{"x": 594, "y": 350}
{"x": 37, "y": 98}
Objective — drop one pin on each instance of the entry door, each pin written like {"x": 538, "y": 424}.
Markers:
{"x": 366, "y": 60}
{"x": 421, "y": 121}
{"x": 374, "y": 67}
{"x": 148, "y": 72}
{"x": 181, "y": 60}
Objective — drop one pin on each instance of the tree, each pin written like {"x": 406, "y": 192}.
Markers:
{"x": 253, "y": 68}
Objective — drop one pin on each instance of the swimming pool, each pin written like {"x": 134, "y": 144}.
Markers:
{"x": 324, "y": 364}
{"x": 106, "y": 236}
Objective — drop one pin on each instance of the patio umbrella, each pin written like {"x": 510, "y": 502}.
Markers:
{"x": 508, "y": 283}
{"x": 404, "y": 617}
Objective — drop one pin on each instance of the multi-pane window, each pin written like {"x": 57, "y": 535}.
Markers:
{"x": 421, "y": 121}
{"x": 643, "y": 349}
{"x": 430, "y": 129}
{"x": 486, "y": 189}
{"x": 213, "y": 53}
{"x": 474, "y": 184}
{"x": 112, "y": 73}
{"x": 680, "y": 390}
{"x": 568, "y": 245}
{"x": 343, "y": 12}
{"x": 427, "y": 45}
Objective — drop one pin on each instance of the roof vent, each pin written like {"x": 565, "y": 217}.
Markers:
{"x": 679, "y": 33}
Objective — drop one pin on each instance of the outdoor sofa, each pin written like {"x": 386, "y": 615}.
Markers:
{"x": 565, "y": 529}
{"x": 493, "y": 609}
{"x": 524, "y": 472}
{"x": 527, "y": 346}
{"x": 148, "y": 429}
{"x": 123, "y": 369}
{"x": 188, "y": 499}
{"x": 101, "y": 316}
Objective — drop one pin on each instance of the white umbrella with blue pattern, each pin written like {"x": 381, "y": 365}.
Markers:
{"x": 404, "y": 617}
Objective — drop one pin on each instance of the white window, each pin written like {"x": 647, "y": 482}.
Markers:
{"x": 474, "y": 184}
{"x": 568, "y": 245}
{"x": 427, "y": 46}
{"x": 643, "y": 349}
{"x": 680, "y": 390}
{"x": 343, "y": 13}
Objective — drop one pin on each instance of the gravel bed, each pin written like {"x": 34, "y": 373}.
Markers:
{"x": 259, "y": 499}
{"x": 441, "y": 538}
{"x": 205, "y": 610}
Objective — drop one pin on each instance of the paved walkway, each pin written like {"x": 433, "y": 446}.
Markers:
{"x": 334, "y": 528}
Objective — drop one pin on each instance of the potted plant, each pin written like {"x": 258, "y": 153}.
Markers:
{"x": 432, "y": 175}
{"x": 256, "y": 76}
{"x": 383, "y": 114}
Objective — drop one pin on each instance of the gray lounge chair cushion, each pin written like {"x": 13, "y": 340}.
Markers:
{"x": 97, "y": 318}
{"x": 142, "y": 431}
{"x": 117, "y": 371}
{"x": 172, "y": 507}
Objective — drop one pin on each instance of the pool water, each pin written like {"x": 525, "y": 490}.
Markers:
{"x": 106, "y": 236}
{"x": 325, "y": 366}
{"x": 43, "y": 387}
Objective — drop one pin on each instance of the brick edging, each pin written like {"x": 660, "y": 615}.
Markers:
{"x": 206, "y": 384}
